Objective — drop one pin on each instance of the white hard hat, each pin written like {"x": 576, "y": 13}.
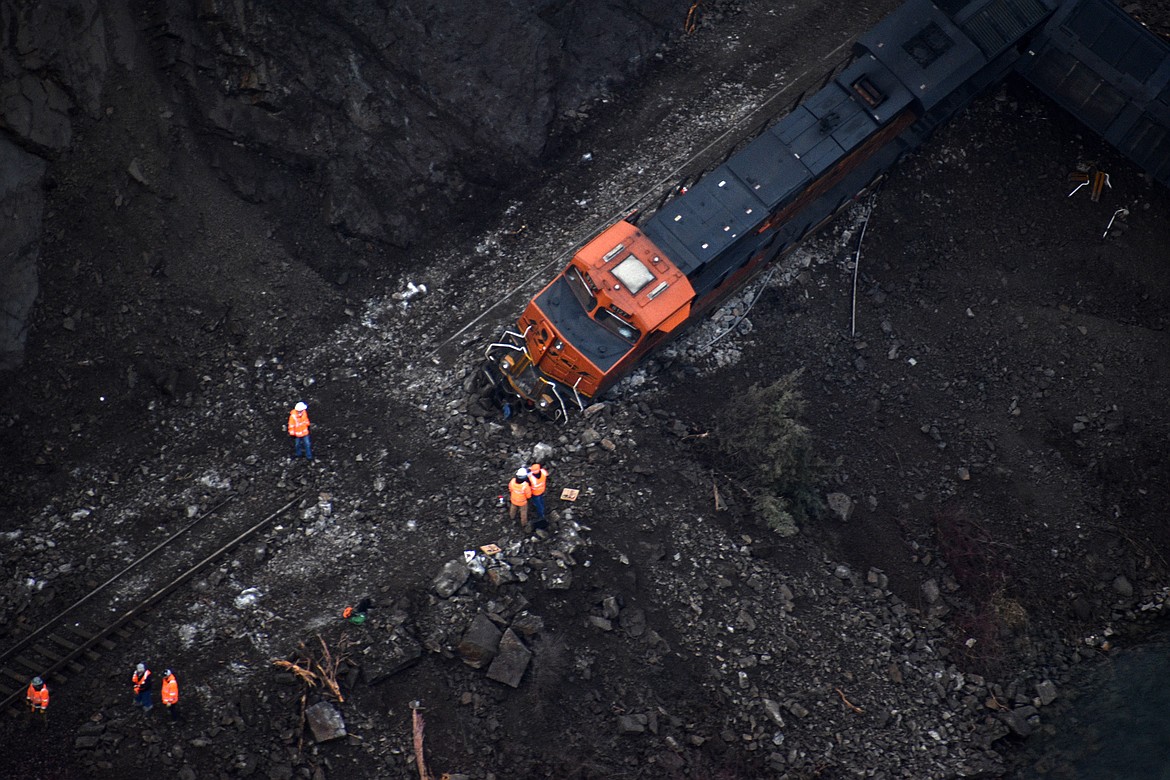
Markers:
{"x": 37, "y": 681}
{"x": 300, "y": 407}
{"x": 141, "y": 668}
{"x": 521, "y": 473}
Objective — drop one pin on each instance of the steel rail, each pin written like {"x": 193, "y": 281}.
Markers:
{"x": 27, "y": 640}
{"x": 145, "y": 603}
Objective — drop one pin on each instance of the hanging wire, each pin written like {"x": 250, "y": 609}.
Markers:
{"x": 857, "y": 263}
{"x": 739, "y": 319}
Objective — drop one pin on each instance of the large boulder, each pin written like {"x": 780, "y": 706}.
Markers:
{"x": 478, "y": 646}
{"x": 511, "y": 660}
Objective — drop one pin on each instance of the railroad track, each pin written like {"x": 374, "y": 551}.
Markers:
{"x": 56, "y": 650}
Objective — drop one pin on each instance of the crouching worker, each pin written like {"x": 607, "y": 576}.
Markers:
{"x": 357, "y": 615}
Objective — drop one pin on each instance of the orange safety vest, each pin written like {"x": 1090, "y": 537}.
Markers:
{"x": 38, "y": 699}
{"x": 537, "y": 479}
{"x": 170, "y": 690}
{"x": 139, "y": 683}
{"x": 520, "y": 492}
{"x": 298, "y": 424}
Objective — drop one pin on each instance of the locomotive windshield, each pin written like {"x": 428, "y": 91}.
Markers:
{"x": 580, "y": 289}
{"x": 615, "y": 324}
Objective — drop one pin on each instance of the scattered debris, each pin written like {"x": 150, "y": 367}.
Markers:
{"x": 318, "y": 672}
{"x": 1099, "y": 180}
{"x": 412, "y": 290}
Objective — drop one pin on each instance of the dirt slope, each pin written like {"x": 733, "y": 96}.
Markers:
{"x": 997, "y": 422}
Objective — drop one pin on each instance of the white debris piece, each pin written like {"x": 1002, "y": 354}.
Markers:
{"x": 412, "y": 290}
{"x": 248, "y": 598}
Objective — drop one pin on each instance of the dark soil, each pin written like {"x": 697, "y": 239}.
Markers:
{"x": 992, "y": 401}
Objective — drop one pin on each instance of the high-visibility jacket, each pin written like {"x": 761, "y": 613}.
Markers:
{"x": 170, "y": 690}
{"x": 140, "y": 682}
{"x": 537, "y": 478}
{"x": 298, "y": 424}
{"x": 39, "y": 700}
{"x": 520, "y": 491}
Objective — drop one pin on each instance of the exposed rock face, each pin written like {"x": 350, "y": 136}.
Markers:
{"x": 20, "y": 226}
{"x": 375, "y": 118}
{"x": 53, "y": 64}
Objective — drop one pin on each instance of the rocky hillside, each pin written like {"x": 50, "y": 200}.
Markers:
{"x": 987, "y": 407}
{"x": 367, "y": 120}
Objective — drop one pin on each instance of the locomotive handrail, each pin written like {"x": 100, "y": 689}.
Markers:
{"x": 495, "y": 344}
{"x": 580, "y": 405}
{"x": 510, "y": 332}
{"x": 561, "y": 401}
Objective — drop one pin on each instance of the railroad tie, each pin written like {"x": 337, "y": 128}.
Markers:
{"x": 72, "y": 647}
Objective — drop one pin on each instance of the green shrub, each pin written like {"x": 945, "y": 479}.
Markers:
{"x": 761, "y": 433}
{"x": 774, "y": 511}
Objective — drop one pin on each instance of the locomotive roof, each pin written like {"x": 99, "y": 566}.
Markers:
{"x": 925, "y": 50}
{"x": 738, "y": 196}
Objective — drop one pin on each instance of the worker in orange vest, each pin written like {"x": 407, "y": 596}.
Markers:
{"x": 298, "y": 428}
{"x": 519, "y": 490}
{"x": 141, "y": 681}
{"x": 38, "y": 697}
{"x": 538, "y": 478}
{"x": 170, "y": 693}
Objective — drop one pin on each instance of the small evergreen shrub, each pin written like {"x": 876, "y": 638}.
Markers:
{"x": 762, "y": 434}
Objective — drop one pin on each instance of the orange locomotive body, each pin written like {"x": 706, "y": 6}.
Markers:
{"x": 617, "y": 299}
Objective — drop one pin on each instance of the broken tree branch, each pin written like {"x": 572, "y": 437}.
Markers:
{"x": 418, "y": 726}
{"x": 719, "y": 505}
{"x": 848, "y": 703}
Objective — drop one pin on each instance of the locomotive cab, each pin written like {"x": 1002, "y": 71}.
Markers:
{"x": 617, "y": 298}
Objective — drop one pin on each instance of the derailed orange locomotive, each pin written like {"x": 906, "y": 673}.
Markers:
{"x": 632, "y": 287}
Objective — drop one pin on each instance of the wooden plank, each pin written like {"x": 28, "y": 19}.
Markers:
{"x": 45, "y": 652}
{"x": 32, "y": 666}
{"x": 38, "y": 669}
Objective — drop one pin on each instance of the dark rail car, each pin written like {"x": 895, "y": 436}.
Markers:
{"x": 633, "y": 287}
{"x": 1110, "y": 72}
